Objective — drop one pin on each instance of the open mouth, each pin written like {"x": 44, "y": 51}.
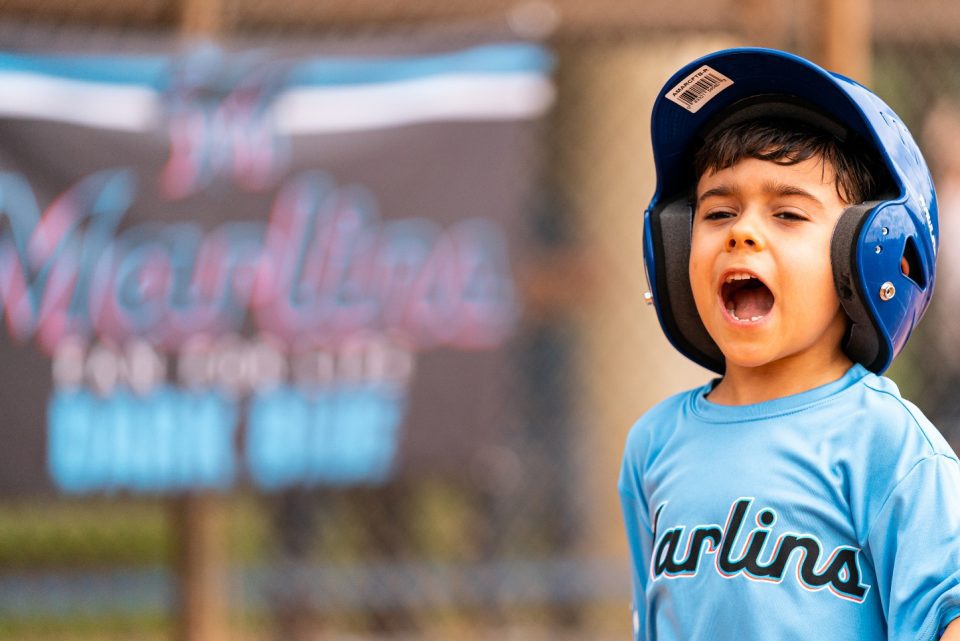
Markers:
{"x": 745, "y": 297}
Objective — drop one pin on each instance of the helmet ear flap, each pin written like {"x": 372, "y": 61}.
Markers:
{"x": 668, "y": 233}
{"x": 862, "y": 342}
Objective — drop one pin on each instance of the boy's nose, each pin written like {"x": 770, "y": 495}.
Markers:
{"x": 745, "y": 241}
{"x": 744, "y": 237}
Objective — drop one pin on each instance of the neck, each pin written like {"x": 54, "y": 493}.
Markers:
{"x": 748, "y": 385}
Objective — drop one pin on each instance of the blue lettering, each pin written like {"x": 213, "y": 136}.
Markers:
{"x": 276, "y": 433}
{"x": 348, "y": 436}
{"x": 164, "y": 441}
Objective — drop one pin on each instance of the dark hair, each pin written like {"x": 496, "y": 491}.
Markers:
{"x": 860, "y": 176}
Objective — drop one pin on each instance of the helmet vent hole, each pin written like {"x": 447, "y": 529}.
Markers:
{"x": 910, "y": 264}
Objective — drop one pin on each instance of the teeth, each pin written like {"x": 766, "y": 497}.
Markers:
{"x": 738, "y": 276}
{"x": 752, "y": 319}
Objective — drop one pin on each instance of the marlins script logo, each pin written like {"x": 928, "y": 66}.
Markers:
{"x": 840, "y": 572}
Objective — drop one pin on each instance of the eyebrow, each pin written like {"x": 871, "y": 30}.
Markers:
{"x": 776, "y": 189}
{"x": 780, "y": 189}
{"x": 721, "y": 191}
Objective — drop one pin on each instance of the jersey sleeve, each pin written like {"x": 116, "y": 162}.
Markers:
{"x": 636, "y": 517}
{"x": 640, "y": 540}
{"x": 914, "y": 542}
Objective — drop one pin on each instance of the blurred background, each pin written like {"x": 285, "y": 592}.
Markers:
{"x": 324, "y": 320}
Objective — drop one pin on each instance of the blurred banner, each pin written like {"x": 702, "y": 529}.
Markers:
{"x": 254, "y": 268}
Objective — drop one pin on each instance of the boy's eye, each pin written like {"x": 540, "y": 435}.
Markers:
{"x": 718, "y": 214}
{"x": 790, "y": 215}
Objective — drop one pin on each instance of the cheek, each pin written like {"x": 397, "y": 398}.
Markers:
{"x": 809, "y": 281}
{"x": 699, "y": 268}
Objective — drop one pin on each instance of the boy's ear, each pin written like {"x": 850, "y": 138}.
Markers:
{"x": 668, "y": 232}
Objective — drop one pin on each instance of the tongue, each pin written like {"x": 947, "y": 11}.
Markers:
{"x": 751, "y": 302}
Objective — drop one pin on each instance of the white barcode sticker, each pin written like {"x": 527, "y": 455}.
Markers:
{"x": 697, "y": 89}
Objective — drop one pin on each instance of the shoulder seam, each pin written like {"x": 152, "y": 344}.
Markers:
{"x": 893, "y": 490}
{"x": 913, "y": 417}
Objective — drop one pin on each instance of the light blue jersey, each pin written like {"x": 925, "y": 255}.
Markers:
{"x": 831, "y": 514}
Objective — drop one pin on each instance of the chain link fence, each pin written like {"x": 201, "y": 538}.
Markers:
{"x": 515, "y": 535}
{"x": 916, "y": 78}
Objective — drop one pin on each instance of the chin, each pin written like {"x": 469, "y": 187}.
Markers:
{"x": 746, "y": 357}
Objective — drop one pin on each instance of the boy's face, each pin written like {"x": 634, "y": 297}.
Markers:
{"x": 760, "y": 262}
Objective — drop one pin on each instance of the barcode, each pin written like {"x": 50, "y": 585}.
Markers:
{"x": 697, "y": 90}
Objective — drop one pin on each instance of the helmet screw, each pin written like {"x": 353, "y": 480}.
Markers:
{"x": 887, "y": 291}
{"x": 884, "y": 231}
{"x": 648, "y": 298}
{"x": 877, "y": 249}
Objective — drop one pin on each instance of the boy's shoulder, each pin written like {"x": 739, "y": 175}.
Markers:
{"x": 646, "y": 436}
{"x": 893, "y": 423}
{"x": 659, "y": 419}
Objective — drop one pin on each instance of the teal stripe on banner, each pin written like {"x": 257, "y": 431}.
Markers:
{"x": 492, "y": 59}
{"x": 125, "y": 70}
{"x": 154, "y": 71}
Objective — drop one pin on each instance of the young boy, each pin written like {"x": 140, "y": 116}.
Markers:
{"x": 790, "y": 247}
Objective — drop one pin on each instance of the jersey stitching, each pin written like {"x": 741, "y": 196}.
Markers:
{"x": 944, "y": 615}
{"x": 909, "y": 411}
{"x": 765, "y": 417}
{"x": 893, "y": 490}
{"x": 787, "y": 412}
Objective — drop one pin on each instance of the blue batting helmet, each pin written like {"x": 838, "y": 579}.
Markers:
{"x": 883, "y": 301}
